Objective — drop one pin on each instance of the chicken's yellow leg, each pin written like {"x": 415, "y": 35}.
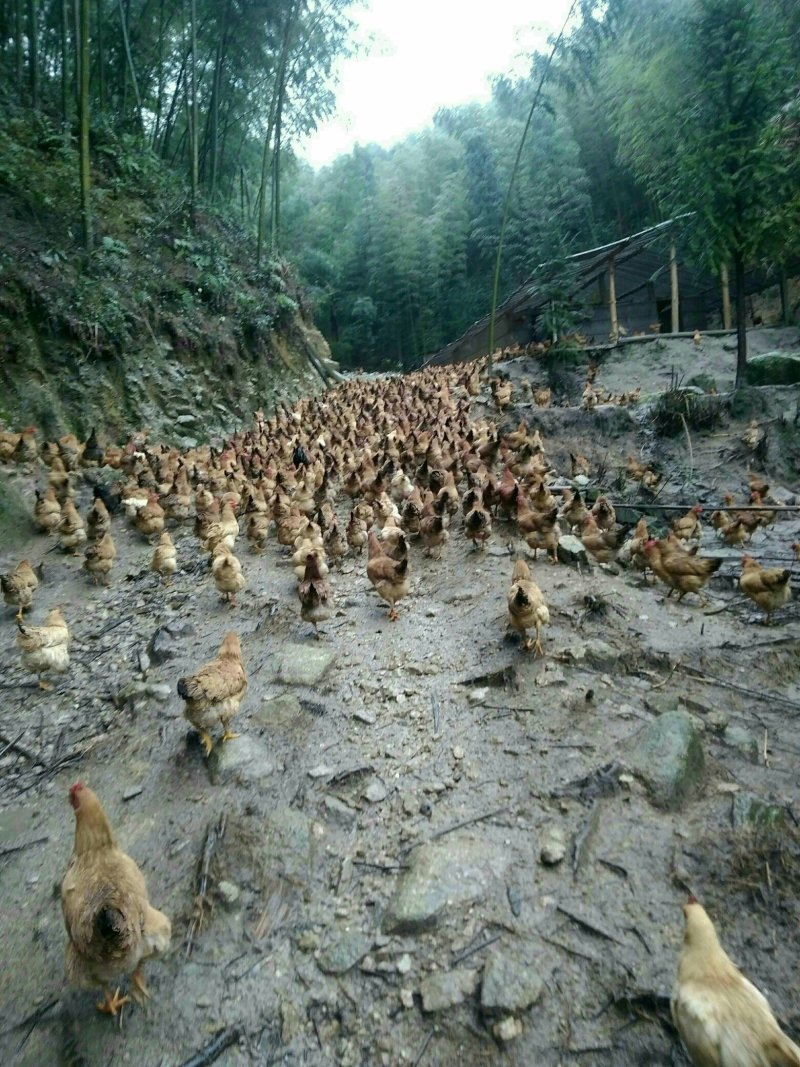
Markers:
{"x": 113, "y": 1002}
{"x": 139, "y": 992}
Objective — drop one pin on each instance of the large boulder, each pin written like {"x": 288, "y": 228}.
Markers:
{"x": 668, "y": 756}
{"x": 774, "y": 368}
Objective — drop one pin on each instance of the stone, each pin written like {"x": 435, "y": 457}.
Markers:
{"x": 507, "y": 1029}
{"x": 131, "y": 792}
{"x": 246, "y": 761}
{"x": 343, "y": 951}
{"x": 410, "y": 804}
{"x": 458, "y": 752}
{"x": 308, "y": 941}
{"x": 322, "y": 770}
{"x": 337, "y": 811}
{"x": 186, "y": 420}
{"x": 476, "y": 697}
{"x": 291, "y": 1021}
{"x": 363, "y": 715}
{"x": 668, "y": 756}
{"x": 282, "y": 712}
{"x": 743, "y": 742}
{"x": 159, "y": 691}
{"x": 750, "y": 810}
{"x": 404, "y": 964}
{"x": 774, "y": 368}
{"x": 595, "y": 652}
{"x": 554, "y": 846}
{"x": 407, "y": 998}
{"x": 443, "y": 875}
{"x": 509, "y": 984}
{"x": 303, "y": 664}
{"x": 161, "y": 646}
{"x": 375, "y": 792}
{"x": 446, "y": 989}
{"x": 570, "y": 550}
{"x": 661, "y": 703}
{"x": 228, "y": 893}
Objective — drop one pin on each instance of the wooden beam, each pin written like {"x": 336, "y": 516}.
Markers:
{"x": 726, "y": 296}
{"x": 612, "y": 300}
{"x": 673, "y": 288}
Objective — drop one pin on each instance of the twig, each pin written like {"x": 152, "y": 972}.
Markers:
{"x": 436, "y": 714}
{"x": 6, "y": 850}
{"x": 584, "y": 839}
{"x": 473, "y": 949}
{"x": 568, "y": 948}
{"x": 689, "y": 447}
{"x": 424, "y": 1049}
{"x": 214, "y": 1049}
{"x": 214, "y": 835}
{"x": 33, "y": 1017}
{"x": 23, "y": 751}
{"x": 663, "y": 682}
{"x": 467, "y": 822}
{"x": 734, "y": 602}
{"x": 765, "y": 695}
{"x": 617, "y": 868}
{"x": 12, "y": 743}
{"x": 586, "y": 925}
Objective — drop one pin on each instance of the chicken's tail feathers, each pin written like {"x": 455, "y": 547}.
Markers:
{"x": 183, "y": 689}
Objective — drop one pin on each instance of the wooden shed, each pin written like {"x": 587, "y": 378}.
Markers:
{"x": 625, "y": 287}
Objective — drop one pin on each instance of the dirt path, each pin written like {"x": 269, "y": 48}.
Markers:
{"x": 326, "y": 938}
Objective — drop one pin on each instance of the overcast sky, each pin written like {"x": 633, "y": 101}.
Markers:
{"x": 423, "y": 55}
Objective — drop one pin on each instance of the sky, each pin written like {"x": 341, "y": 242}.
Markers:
{"x": 422, "y": 55}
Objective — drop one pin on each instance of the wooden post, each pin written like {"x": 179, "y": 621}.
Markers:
{"x": 726, "y": 297}
{"x": 612, "y": 300}
{"x": 673, "y": 288}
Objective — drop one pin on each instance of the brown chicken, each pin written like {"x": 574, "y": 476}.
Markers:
{"x": 214, "y": 693}
{"x": 526, "y": 607}
{"x": 389, "y": 577}
{"x": 165, "y": 557}
{"x": 603, "y": 513}
{"x": 45, "y": 648}
{"x": 316, "y": 602}
{"x": 71, "y": 531}
{"x": 539, "y": 528}
{"x": 47, "y": 511}
{"x": 723, "y": 1020}
{"x": 602, "y": 545}
{"x": 150, "y": 518}
{"x": 111, "y": 927}
{"x": 478, "y": 525}
{"x": 99, "y": 558}
{"x": 688, "y": 525}
{"x": 769, "y": 587}
{"x": 680, "y": 570}
{"x": 227, "y": 573}
{"x": 19, "y": 586}
{"x": 98, "y": 520}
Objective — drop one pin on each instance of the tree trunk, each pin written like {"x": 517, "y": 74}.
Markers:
{"x": 65, "y": 67}
{"x": 33, "y": 53}
{"x": 160, "y": 86}
{"x": 741, "y": 324}
{"x": 276, "y": 176}
{"x": 726, "y": 297}
{"x": 129, "y": 56}
{"x": 18, "y": 46}
{"x": 193, "y": 104}
{"x": 83, "y": 46}
{"x": 101, "y": 57}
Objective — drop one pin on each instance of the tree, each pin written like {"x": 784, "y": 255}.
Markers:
{"x": 84, "y": 116}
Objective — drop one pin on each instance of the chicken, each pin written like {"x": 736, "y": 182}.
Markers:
{"x": 722, "y": 1019}
{"x": 754, "y": 436}
{"x": 478, "y": 525}
{"x": 573, "y": 510}
{"x": 92, "y": 454}
{"x": 356, "y": 532}
{"x": 603, "y": 513}
{"x": 214, "y": 693}
{"x": 769, "y": 587}
{"x": 526, "y": 607}
{"x": 389, "y": 577}
{"x": 688, "y": 525}
{"x": 45, "y": 648}
{"x": 433, "y": 533}
{"x": 165, "y": 557}
{"x": 578, "y": 464}
{"x": 99, "y": 558}
{"x": 98, "y": 520}
{"x": 507, "y": 493}
{"x": 47, "y": 511}
{"x": 225, "y": 531}
{"x": 316, "y": 602}
{"x": 227, "y": 573}
{"x": 71, "y": 531}
{"x": 111, "y": 927}
{"x": 735, "y": 532}
{"x": 19, "y": 586}
{"x": 539, "y": 528}
{"x": 541, "y": 397}
{"x": 149, "y": 519}
{"x": 602, "y": 545}
{"x": 697, "y": 338}
{"x": 680, "y": 570}
{"x": 257, "y": 530}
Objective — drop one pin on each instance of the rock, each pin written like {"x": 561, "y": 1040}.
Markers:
{"x": 159, "y": 691}
{"x": 554, "y": 846}
{"x": 186, "y": 420}
{"x": 750, "y": 810}
{"x": 407, "y": 998}
{"x": 308, "y": 941}
{"x": 507, "y": 1029}
{"x": 363, "y": 715}
{"x": 161, "y": 646}
{"x": 443, "y": 875}
{"x": 661, "y": 703}
{"x": 322, "y": 770}
{"x": 281, "y": 712}
{"x": 743, "y": 742}
{"x": 404, "y": 964}
{"x": 303, "y": 664}
{"x": 476, "y": 697}
{"x": 133, "y": 791}
{"x": 458, "y": 752}
{"x": 246, "y": 761}
{"x": 509, "y": 984}
{"x": 447, "y": 989}
{"x": 774, "y": 368}
{"x": 410, "y": 804}
{"x": 570, "y": 550}
{"x": 343, "y": 952}
{"x": 291, "y": 1021}
{"x": 594, "y": 652}
{"x": 375, "y": 792}
{"x": 668, "y": 756}
{"x": 338, "y": 811}
{"x": 228, "y": 893}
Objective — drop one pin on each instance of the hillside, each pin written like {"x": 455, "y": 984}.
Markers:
{"x": 167, "y": 323}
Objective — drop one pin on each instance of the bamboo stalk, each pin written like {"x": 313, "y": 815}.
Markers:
{"x": 673, "y": 288}
{"x": 726, "y": 296}
{"x": 612, "y": 299}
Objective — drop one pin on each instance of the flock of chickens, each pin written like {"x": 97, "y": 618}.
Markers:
{"x": 414, "y": 466}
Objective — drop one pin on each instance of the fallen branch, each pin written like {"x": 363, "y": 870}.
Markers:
{"x": 214, "y": 835}
{"x": 6, "y": 850}
{"x": 15, "y": 746}
{"x": 473, "y": 949}
{"x": 765, "y": 696}
{"x": 467, "y": 822}
{"x": 424, "y": 1049}
{"x": 585, "y": 924}
{"x": 436, "y": 714}
{"x": 214, "y": 1049}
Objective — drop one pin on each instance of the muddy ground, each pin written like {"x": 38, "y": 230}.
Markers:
{"x": 326, "y": 937}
